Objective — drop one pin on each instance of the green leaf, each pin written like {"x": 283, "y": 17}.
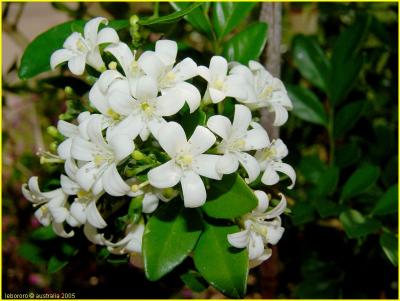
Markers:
{"x": 363, "y": 178}
{"x": 311, "y": 61}
{"x": 346, "y": 60}
{"x": 327, "y": 208}
{"x": 347, "y": 117}
{"x": 347, "y": 155}
{"x": 169, "y": 237}
{"x": 191, "y": 121}
{"x": 31, "y": 252}
{"x": 198, "y": 18}
{"x": 194, "y": 281}
{"x": 389, "y": 244}
{"x": 328, "y": 181}
{"x": 229, "y": 198}
{"x": 56, "y": 264}
{"x": 388, "y": 203}
{"x": 228, "y": 15}
{"x": 311, "y": 167}
{"x": 43, "y": 233}
{"x": 306, "y": 105}
{"x": 36, "y": 58}
{"x": 171, "y": 17}
{"x": 302, "y": 213}
{"x": 246, "y": 45}
{"x": 356, "y": 225}
{"x": 224, "y": 267}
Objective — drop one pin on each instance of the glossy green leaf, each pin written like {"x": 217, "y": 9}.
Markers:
{"x": 171, "y": 17}
{"x": 311, "y": 61}
{"x": 169, "y": 237}
{"x": 346, "y": 60}
{"x": 328, "y": 181}
{"x": 363, "y": 178}
{"x": 228, "y": 15}
{"x": 43, "y": 233}
{"x": 389, "y": 244}
{"x": 223, "y": 266}
{"x": 356, "y": 225}
{"x": 306, "y": 105}
{"x": 347, "y": 117}
{"x": 344, "y": 79}
{"x": 229, "y": 198}
{"x": 388, "y": 203}
{"x": 194, "y": 281}
{"x": 246, "y": 45}
{"x": 198, "y": 18}
{"x": 36, "y": 58}
{"x": 347, "y": 155}
{"x": 31, "y": 252}
{"x": 56, "y": 264}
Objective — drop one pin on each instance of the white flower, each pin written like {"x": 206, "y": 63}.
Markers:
{"x": 146, "y": 112}
{"x": 52, "y": 206}
{"x": 131, "y": 243}
{"x": 79, "y": 50}
{"x": 84, "y": 208}
{"x": 70, "y": 131}
{"x": 270, "y": 160}
{"x": 101, "y": 158}
{"x": 160, "y": 65}
{"x": 236, "y": 141}
{"x": 187, "y": 162}
{"x": 264, "y": 90}
{"x": 221, "y": 85}
{"x": 258, "y": 232}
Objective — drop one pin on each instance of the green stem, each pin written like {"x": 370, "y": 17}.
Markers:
{"x": 156, "y": 9}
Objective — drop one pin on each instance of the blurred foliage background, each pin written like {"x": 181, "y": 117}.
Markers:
{"x": 340, "y": 64}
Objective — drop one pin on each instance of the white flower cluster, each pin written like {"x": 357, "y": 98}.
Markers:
{"x": 134, "y": 98}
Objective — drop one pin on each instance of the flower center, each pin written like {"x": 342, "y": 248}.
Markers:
{"x": 218, "y": 84}
{"x": 83, "y": 194}
{"x": 267, "y": 92}
{"x": 147, "y": 108}
{"x": 114, "y": 115}
{"x": 268, "y": 153}
{"x": 260, "y": 229}
{"x": 81, "y": 45}
{"x": 184, "y": 160}
{"x": 102, "y": 158}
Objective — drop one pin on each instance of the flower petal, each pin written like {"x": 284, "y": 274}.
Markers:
{"x": 206, "y": 166}
{"x": 287, "y": 170}
{"x": 146, "y": 88}
{"x": 250, "y": 164}
{"x": 88, "y": 174}
{"x": 155, "y": 124}
{"x": 64, "y": 149}
{"x": 220, "y": 125}
{"x": 227, "y": 164}
{"x": 255, "y": 139}
{"x": 95, "y": 60}
{"x": 278, "y": 209}
{"x": 256, "y": 245}
{"x": 93, "y": 216}
{"x": 107, "y": 35}
{"x": 171, "y": 137}
{"x": 122, "y": 145}
{"x": 95, "y": 131}
{"x": 166, "y": 50}
{"x": 274, "y": 234}
{"x": 60, "y": 56}
{"x": 78, "y": 211}
{"x": 58, "y": 228}
{"x": 185, "y": 70}
{"x": 189, "y": 93}
{"x": 259, "y": 260}
{"x": 263, "y": 201}
{"x": 123, "y": 55}
{"x": 165, "y": 176}
{"x": 77, "y": 64}
{"x": 59, "y": 214}
{"x": 43, "y": 215}
{"x": 204, "y": 72}
{"x": 216, "y": 95}
{"x": 82, "y": 149}
{"x": 151, "y": 64}
{"x": 129, "y": 126}
{"x": 93, "y": 236}
{"x": 91, "y": 28}
{"x": 270, "y": 176}
{"x": 69, "y": 186}
{"x": 194, "y": 192}
{"x": 169, "y": 104}
{"x": 71, "y": 168}
{"x": 239, "y": 239}
{"x": 98, "y": 99}
{"x": 113, "y": 183}
{"x": 202, "y": 139}
{"x": 150, "y": 203}
{"x": 218, "y": 67}
{"x": 241, "y": 119}
{"x": 67, "y": 129}
{"x": 281, "y": 114}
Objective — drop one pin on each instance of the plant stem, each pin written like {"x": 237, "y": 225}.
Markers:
{"x": 156, "y": 9}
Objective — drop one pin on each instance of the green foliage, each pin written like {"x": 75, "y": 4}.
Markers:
{"x": 198, "y": 18}
{"x": 356, "y": 225}
{"x": 229, "y": 198}
{"x": 174, "y": 17}
{"x": 56, "y": 264}
{"x": 194, "y": 281}
{"x": 347, "y": 117}
{"x": 43, "y": 233}
{"x": 389, "y": 243}
{"x": 306, "y": 105}
{"x": 170, "y": 235}
{"x": 363, "y": 178}
{"x": 223, "y": 266}
{"x": 388, "y": 203}
{"x": 237, "y": 48}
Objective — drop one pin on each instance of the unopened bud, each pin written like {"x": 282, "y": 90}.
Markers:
{"x": 53, "y": 146}
{"x": 69, "y": 91}
{"x": 138, "y": 155}
{"x": 133, "y": 20}
{"x": 52, "y": 131}
{"x": 112, "y": 65}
